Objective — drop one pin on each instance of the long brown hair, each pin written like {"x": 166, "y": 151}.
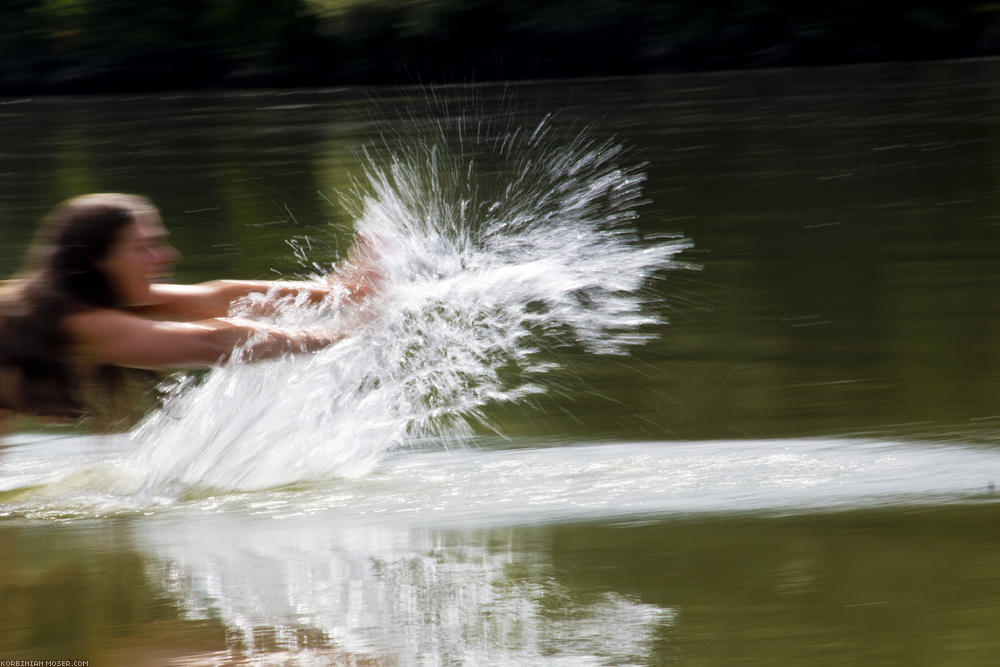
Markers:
{"x": 61, "y": 276}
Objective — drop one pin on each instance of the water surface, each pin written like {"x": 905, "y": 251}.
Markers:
{"x": 784, "y": 454}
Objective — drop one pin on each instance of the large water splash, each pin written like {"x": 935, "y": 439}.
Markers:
{"x": 494, "y": 259}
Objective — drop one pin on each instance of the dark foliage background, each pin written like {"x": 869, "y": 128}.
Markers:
{"x": 102, "y": 45}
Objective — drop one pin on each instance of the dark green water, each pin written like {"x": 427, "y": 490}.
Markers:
{"x": 844, "y": 224}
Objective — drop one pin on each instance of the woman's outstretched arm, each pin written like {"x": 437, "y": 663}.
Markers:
{"x": 122, "y": 339}
{"x": 354, "y": 280}
{"x": 187, "y": 303}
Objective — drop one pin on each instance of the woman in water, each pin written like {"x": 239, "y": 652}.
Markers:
{"x": 91, "y": 304}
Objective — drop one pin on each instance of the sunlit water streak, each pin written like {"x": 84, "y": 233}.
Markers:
{"x": 492, "y": 486}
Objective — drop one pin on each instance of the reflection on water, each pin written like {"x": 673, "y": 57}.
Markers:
{"x": 419, "y": 597}
{"x": 193, "y": 587}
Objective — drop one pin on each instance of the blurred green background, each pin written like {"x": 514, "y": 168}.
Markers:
{"x": 116, "y": 45}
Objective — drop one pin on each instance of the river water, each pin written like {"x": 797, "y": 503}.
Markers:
{"x": 686, "y": 369}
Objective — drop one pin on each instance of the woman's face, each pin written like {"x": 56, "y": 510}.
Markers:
{"x": 139, "y": 257}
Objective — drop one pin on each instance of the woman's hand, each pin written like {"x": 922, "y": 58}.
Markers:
{"x": 359, "y": 274}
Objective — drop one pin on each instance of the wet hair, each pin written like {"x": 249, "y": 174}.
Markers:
{"x": 61, "y": 276}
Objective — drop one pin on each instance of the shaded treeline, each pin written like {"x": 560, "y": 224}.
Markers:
{"x": 89, "y": 45}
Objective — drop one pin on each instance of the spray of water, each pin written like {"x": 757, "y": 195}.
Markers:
{"x": 496, "y": 254}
